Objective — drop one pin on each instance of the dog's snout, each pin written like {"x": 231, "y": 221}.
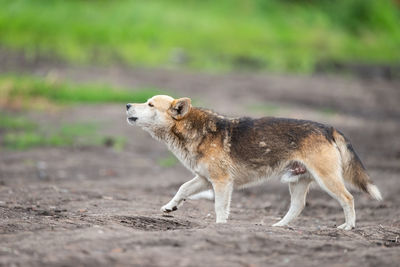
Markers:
{"x": 128, "y": 106}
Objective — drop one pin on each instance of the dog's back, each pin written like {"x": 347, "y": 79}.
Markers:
{"x": 269, "y": 141}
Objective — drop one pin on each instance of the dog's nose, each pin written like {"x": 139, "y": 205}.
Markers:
{"x": 128, "y": 106}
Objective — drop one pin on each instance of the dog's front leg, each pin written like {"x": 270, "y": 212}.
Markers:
{"x": 194, "y": 186}
{"x": 223, "y": 193}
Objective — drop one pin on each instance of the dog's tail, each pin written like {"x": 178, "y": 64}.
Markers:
{"x": 353, "y": 169}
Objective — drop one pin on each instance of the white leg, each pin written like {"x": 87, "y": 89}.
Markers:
{"x": 223, "y": 193}
{"x": 194, "y": 186}
{"x": 336, "y": 189}
{"x": 298, "y": 192}
{"x": 349, "y": 214}
{"x": 208, "y": 194}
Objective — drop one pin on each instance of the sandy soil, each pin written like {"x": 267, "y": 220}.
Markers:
{"x": 94, "y": 206}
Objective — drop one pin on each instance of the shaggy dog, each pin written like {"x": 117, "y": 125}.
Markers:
{"x": 227, "y": 153}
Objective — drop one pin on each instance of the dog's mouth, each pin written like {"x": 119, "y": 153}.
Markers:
{"x": 132, "y": 119}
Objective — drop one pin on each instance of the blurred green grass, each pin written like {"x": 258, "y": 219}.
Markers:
{"x": 29, "y": 92}
{"x": 15, "y": 123}
{"x": 277, "y": 35}
{"x": 21, "y": 133}
{"x": 22, "y": 138}
{"x": 36, "y": 92}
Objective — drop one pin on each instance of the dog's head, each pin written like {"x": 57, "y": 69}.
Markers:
{"x": 160, "y": 111}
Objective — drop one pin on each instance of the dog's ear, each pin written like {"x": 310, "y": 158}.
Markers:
{"x": 180, "y": 108}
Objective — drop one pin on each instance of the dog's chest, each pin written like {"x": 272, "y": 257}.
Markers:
{"x": 183, "y": 155}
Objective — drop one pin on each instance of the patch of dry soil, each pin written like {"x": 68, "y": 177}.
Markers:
{"x": 99, "y": 207}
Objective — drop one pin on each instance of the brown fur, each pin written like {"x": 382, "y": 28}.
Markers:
{"x": 235, "y": 152}
{"x": 268, "y": 141}
{"x": 353, "y": 169}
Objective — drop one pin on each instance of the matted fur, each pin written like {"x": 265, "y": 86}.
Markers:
{"x": 227, "y": 153}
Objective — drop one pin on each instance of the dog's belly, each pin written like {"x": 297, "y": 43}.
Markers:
{"x": 286, "y": 171}
{"x": 247, "y": 177}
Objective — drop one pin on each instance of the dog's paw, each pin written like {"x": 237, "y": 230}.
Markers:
{"x": 279, "y": 224}
{"x": 168, "y": 208}
{"x": 346, "y": 227}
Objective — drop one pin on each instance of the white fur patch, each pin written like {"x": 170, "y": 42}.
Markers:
{"x": 374, "y": 192}
{"x": 288, "y": 177}
{"x": 209, "y": 194}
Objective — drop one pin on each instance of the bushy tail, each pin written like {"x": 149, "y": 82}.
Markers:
{"x": 353, "y": 169}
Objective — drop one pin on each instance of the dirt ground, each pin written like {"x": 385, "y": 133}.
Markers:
{"x": 93, "y": 206}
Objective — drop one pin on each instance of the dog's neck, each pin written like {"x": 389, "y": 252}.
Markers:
{"x": 185, "y": 136}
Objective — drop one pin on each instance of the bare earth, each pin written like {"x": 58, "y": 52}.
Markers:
{"x": 94, "y": 206}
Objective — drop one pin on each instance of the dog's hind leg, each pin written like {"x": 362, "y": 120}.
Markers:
{"x": 326, "y": 170}
{"x": 223, "y": 193}
{"x": 298, "y": 192}
{"x": 334, "y": 186}
{"x": 194, "y": 186}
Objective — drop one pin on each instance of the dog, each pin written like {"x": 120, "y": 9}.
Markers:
{"x": 226, "y": 153}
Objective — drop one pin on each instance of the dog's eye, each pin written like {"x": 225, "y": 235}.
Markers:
{"x": 151, "y": 105}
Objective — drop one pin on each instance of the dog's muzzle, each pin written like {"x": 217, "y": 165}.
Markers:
{"x": 132, "y": 119}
